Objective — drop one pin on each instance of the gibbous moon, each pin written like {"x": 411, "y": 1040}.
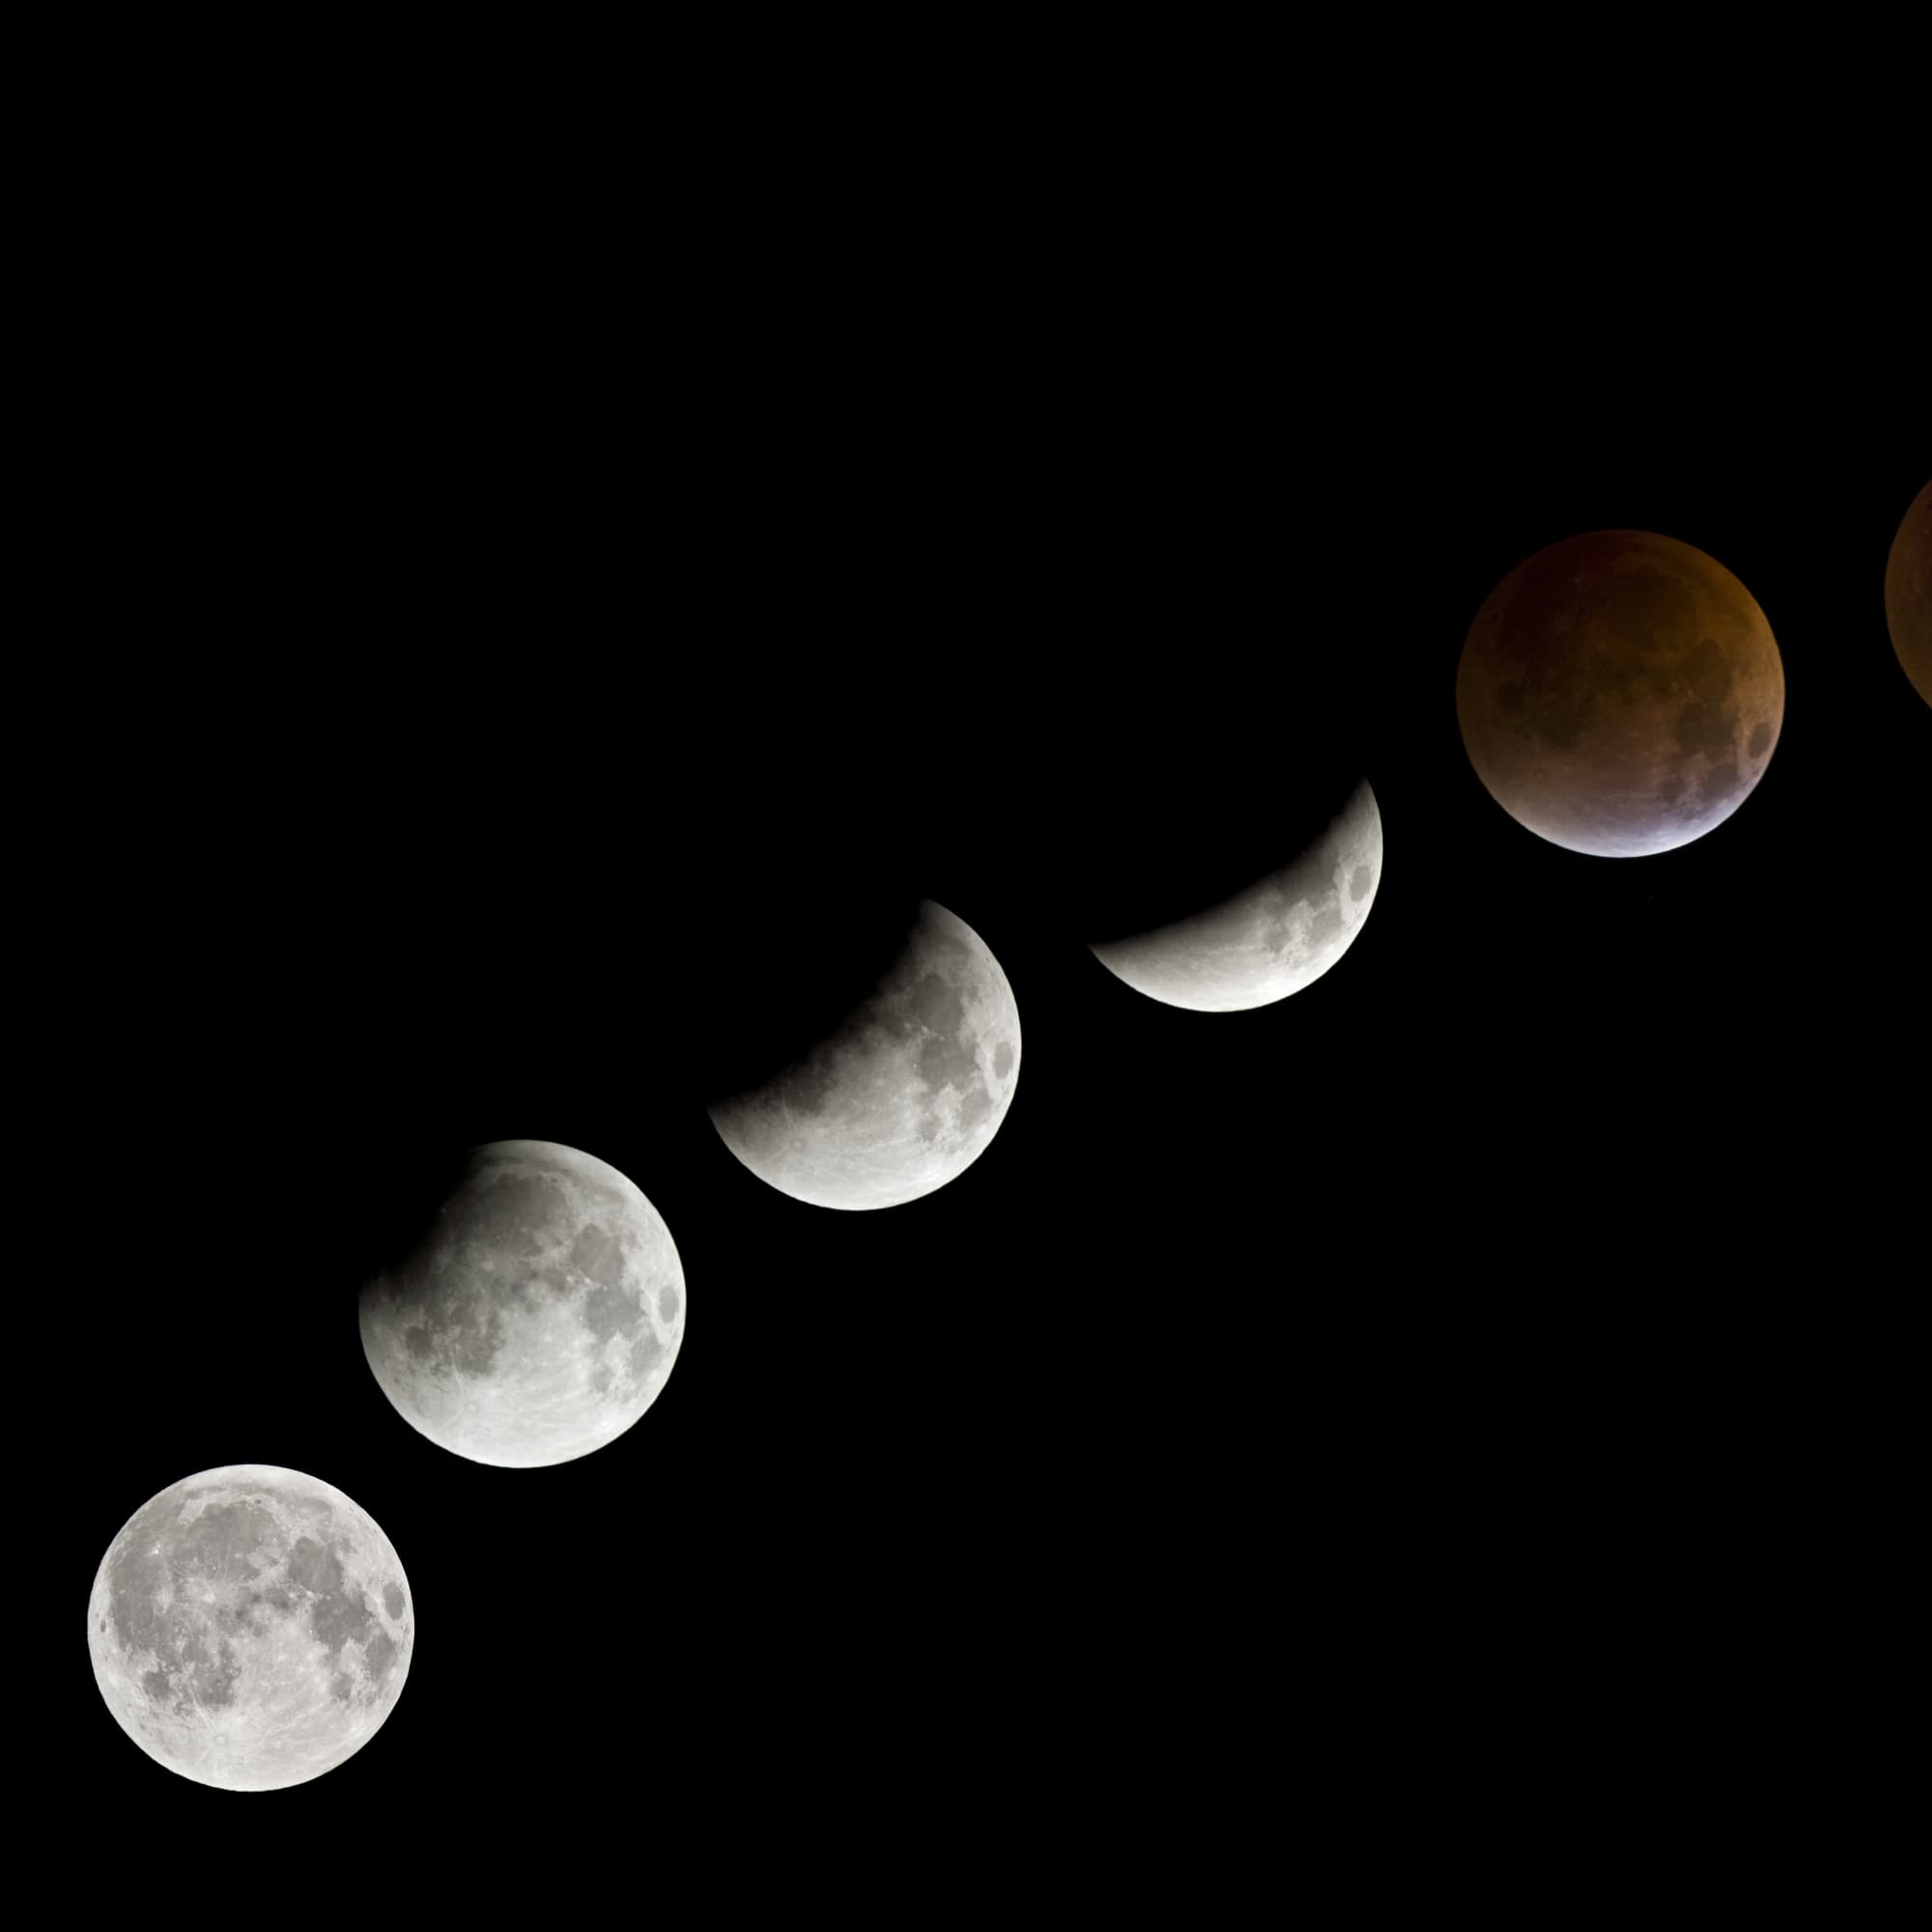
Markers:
{"x": 1908, "y": 593}
{"x": 1620, "y": 694}
{"x": 537, "y": 1317}
{"x": 905, "y": 1094}
{"x": 1279, "y": 935}
{"x": 250, "y": 1628}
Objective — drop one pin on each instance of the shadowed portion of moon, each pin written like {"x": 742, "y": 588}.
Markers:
{"x": 1278, "y": 935}
{"x": 756, "y": 1021}
{"x": 1620, "y": 694}
{"x": 1908, "y": 593}
{"x": 905, "y": 1096}
{"x": 250, "y": 1628}
{"x": 537, "y": 1312}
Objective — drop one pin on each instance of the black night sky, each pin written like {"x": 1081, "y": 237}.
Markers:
{"x": 522, "y": 742}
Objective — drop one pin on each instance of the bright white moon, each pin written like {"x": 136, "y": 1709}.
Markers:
{"x": 251, "y": 1627}
{"x": 905, "y": 1095}
{"x": 1278, "y": 936}
{"x": 538, "y": 1317}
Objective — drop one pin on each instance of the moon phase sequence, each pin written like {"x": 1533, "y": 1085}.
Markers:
{"x": 1620, "y": 694}
{"x": 905, "y": 1094}
{"x": 537, "y": 1318}
{"x": 1279, "y": 935}
{"x": 250, "y": 1628}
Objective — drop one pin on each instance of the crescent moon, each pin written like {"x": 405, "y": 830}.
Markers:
{"x": 1279, "y": 935}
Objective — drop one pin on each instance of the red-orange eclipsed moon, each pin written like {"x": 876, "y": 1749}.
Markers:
{"x": 1620, "y": 694}
{"x": 1908, "y": 593}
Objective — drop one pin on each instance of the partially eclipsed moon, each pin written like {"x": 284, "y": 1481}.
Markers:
{"x": 1908, "y": 593}
{"x": 1279, "y": 935}
{"x": 1620, "y": 694}
{"x": 539, "y": 1315}
{"x": 905, "y": 1095}
{"x": 250, "y": 1627}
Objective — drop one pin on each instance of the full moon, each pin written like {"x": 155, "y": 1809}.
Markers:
{"x": 1279, "y": 935}
{"x": 1908, "y": 593}
{"x": 538, "y": 1315}
{"x": 905, "y": 1094}
{"x": 1620, "y": 694}
{"x": 250, "y": 1628}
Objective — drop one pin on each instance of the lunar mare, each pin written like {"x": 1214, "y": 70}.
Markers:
{"x": 538, "y": 1317}
{"x": 905, "y": 1095}
{"x": 250, "y": 1628}
{"x": 1908, "y": 593}
{"x": 1620, "y": 694}
{"x": 1279, "y": 935}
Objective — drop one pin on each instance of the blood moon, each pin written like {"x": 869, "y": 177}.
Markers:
{"x": 1620, "y": 694}
{"x": 1908, "y": 593}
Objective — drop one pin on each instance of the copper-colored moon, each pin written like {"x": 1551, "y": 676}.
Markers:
{"x": 1908, "y": 593}
{"x": 1620, "y": 694}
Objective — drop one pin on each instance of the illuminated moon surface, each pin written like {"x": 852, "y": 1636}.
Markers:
{"x": 1908, "y": 593}
{"x": 539, "y": 1315}
{"x": 1620, "y": 694}
{"x": 1283, "y": 932}
{"x": 905, "y": 1095}
{"x": 251, "y": 1627}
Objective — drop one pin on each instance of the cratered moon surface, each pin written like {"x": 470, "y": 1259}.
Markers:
{"x": 1279, "y": 935}
{"x": 905, "y": 1094}
{"x": 1620, "y": 694}
{"x": 1908, "y": 593}
{"x": 538, "y": 1315}
{"x": 251, "y": 1627}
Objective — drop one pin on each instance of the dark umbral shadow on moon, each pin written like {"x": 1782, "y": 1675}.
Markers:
{"x": 401, "y": 1206}
{"x": 1138, "y": 860}
{"x": 793, "y": 960}
{"x": 387, "y": 1218}
{"x": 1175, "y": 785}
